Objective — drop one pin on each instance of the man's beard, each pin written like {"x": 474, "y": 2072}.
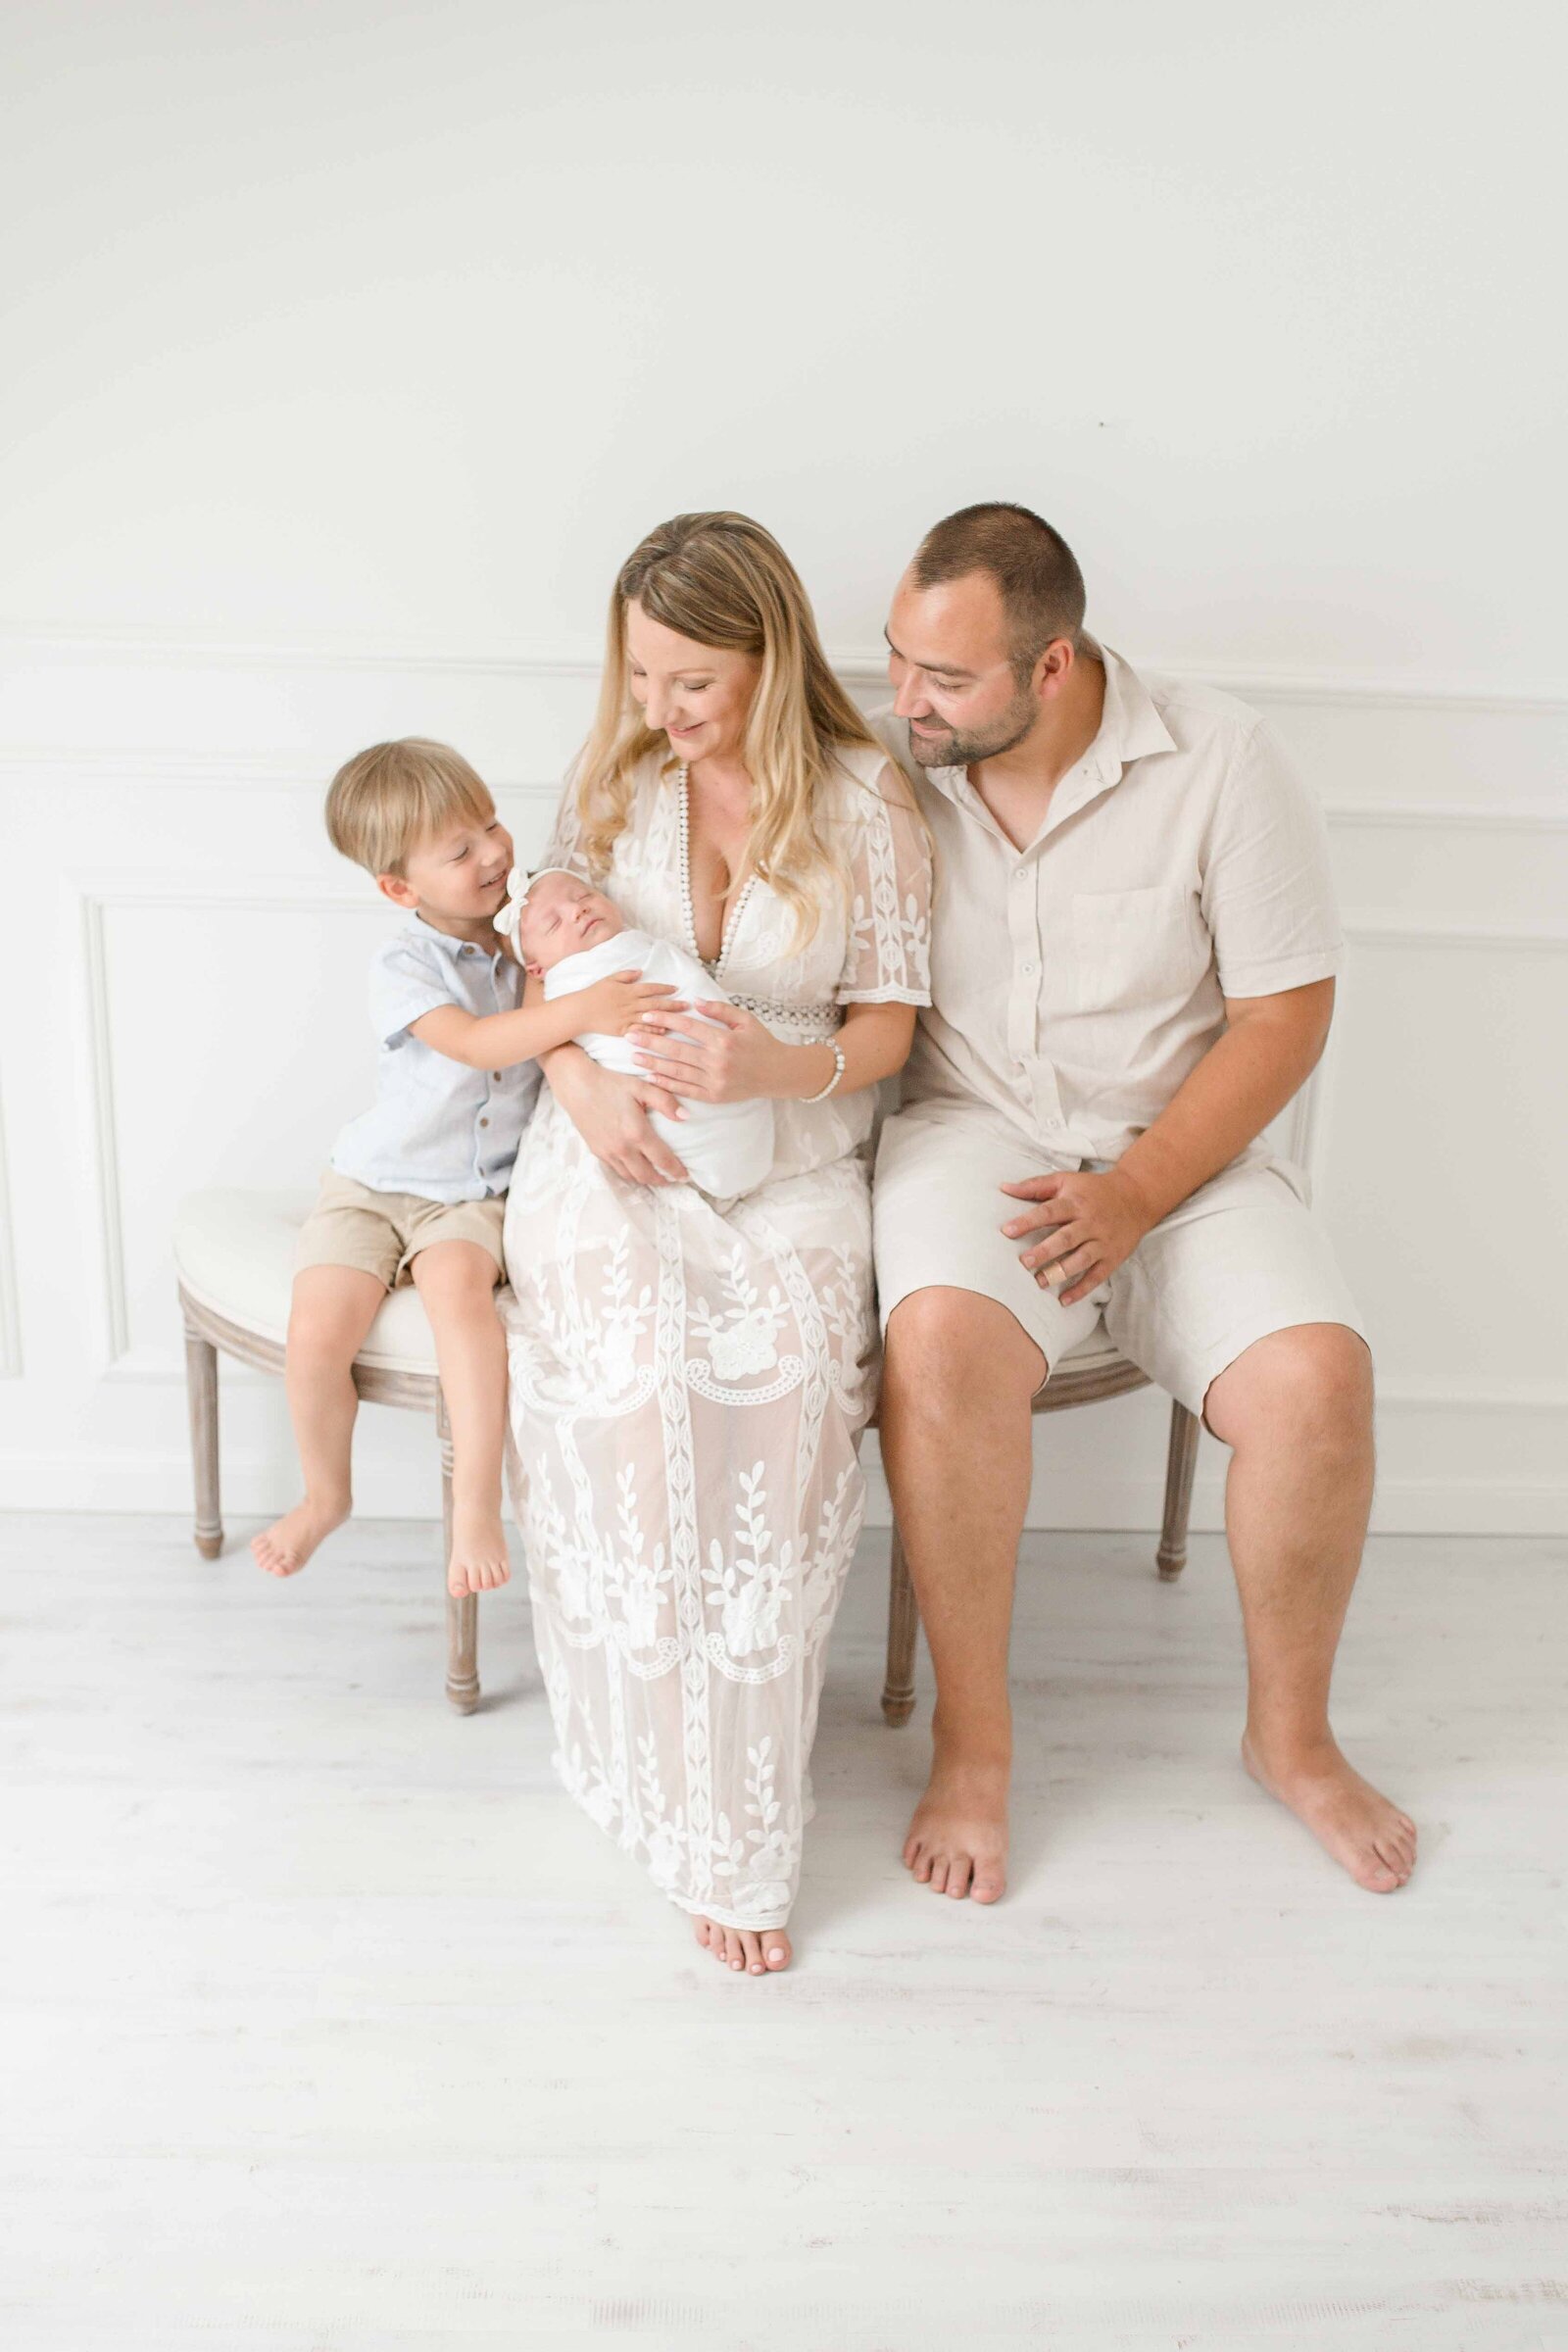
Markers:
{"x": 954, "y": 748}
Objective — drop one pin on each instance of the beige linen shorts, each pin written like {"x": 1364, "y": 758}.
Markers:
{"x": 1243, "y": 1256}
{"x": 381, "y": 1233}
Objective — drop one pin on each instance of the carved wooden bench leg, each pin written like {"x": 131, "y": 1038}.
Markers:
{"x": 200, "y": 1391}
{"x": 462, "y": 1616}
{"x": 903, "y": 1627}
{"x": 1180, "y": 1464}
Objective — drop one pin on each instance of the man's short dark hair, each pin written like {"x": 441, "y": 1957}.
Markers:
{"x": 1036, "y": 572}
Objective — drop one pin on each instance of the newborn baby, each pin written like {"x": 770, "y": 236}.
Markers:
{"x": 572, "y": 935}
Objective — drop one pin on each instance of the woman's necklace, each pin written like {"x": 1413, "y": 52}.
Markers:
{"x": 688, "y": 905}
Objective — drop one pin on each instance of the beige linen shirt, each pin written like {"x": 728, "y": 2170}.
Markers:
{"x": 1075, "y": 983}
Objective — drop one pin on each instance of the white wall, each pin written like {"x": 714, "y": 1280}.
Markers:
{"x": 350, "y": 349}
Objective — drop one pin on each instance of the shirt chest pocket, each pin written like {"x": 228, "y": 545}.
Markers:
{"x": 1131, "y": 948}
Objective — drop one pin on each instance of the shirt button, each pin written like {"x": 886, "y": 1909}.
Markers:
{"x": 1030, "y": 970}
{"x": 484, "y": 1122}
{"x": 496, "y": 1076}
{"x": 469, "y": 950}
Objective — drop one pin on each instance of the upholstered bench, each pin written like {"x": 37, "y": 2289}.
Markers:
{"x": 234, "y": 1255}
{"x": 1091, "y": 1370}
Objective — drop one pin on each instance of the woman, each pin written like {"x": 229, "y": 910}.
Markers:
{"x": 690, "y": 1376}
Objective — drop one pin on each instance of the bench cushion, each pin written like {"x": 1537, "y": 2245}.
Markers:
{"x": 236, "y": 1254}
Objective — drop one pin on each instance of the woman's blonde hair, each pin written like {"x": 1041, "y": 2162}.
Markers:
{"x": 383, "y": 802}
{"x": 721, "y": 580}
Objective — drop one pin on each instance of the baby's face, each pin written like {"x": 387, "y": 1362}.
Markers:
{"x": 561, "y": 916}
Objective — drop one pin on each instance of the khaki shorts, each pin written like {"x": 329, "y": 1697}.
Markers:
{"x": 1243, "y": 1256}
{"x": 382, "y": 1233}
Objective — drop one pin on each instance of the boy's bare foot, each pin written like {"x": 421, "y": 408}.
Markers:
{"x": 758, "y": 1953}
{"x": 479, "y": 1560}
{"x": 957, "y": 1842}
{"x": 1370, "y": 1836}
{"x": 283, "y": 1548}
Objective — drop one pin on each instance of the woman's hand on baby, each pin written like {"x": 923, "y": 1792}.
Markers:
{"x": 612, "y": 1115}
{"x": 609, "y": 1007}
{"x": 728, "y": 1056}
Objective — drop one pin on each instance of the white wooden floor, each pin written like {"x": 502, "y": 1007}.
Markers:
{"x": 331, "y": 2026}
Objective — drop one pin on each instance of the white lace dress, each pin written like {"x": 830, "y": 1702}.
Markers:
{"x": 688, "y": 1386}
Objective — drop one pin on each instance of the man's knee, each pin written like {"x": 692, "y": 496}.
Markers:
{"x": 1313, "y": 1382}
{"x": 946, "y": 1344}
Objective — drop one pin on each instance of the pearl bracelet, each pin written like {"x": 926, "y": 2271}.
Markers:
{"x": 837, "y": 1053}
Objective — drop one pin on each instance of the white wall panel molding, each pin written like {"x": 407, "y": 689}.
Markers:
{"x": 11, "y": 1365}
{"x": 136, "y": 765}
{"x": 1497, "y": 1397}
{"x": 115, "y": 1310}
{"x": 580, "y": 658}
{"x": 1446, "y": 817}
{"x": 1373, "y": 929}
{"x": 286, "y": 894}
{"x": 164, "y": 650}
{"x": 139, "y": 766}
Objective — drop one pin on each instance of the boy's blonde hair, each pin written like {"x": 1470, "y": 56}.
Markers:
{"x": 384, "y": 802}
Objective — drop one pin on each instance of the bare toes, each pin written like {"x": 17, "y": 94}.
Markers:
{"x": 776, "y": 1947}
{"x": 752, "y": 1953}
{"x": 958, "y": 1875}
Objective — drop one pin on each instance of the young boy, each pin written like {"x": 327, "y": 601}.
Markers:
{"x": 416, "y": 1185}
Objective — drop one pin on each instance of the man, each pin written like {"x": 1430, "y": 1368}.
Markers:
{"x": 1133, "y": 973}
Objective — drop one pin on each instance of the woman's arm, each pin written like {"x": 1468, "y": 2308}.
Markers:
{"x": 737, "y": 1059}
{"x": 610, "y": 1114}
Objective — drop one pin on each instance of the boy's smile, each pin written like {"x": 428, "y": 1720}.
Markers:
{"x": 456, "y": 879}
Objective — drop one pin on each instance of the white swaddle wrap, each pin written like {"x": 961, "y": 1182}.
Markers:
{"x": 726, "y": 1147}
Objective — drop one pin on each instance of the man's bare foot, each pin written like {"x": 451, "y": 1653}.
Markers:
{"x": 283, "y": 1548}
{"x": 756, "y": 1952}
{"x": 1370, "y": 1836}
{"x": 478, "y": 1561}
{"x": 957, "y": 1842}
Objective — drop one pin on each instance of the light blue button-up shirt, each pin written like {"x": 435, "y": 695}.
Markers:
{"x": 438, "y": 1128}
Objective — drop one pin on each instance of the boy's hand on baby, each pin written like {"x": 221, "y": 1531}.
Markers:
{"x": 612, "y": 1006}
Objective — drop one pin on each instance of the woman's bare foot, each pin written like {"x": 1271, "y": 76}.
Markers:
{"x": 479, "y": 1560}
{"x": 1370, "y": 1836}
{"x": 957, "y": 1842}
{"x": 283, "y": 1548}
{"x": 756, "y": 1952}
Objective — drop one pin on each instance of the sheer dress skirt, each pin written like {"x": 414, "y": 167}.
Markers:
{"x": 689, "y": 1384}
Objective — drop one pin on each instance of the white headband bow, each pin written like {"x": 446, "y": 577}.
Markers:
{"x": 518, "y": 884}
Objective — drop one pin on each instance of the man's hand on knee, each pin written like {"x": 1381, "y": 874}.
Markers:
{"x": 1092, "y": 1224}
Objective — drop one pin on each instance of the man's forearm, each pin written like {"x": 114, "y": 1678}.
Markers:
{"x": 1246, "y": 1077}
